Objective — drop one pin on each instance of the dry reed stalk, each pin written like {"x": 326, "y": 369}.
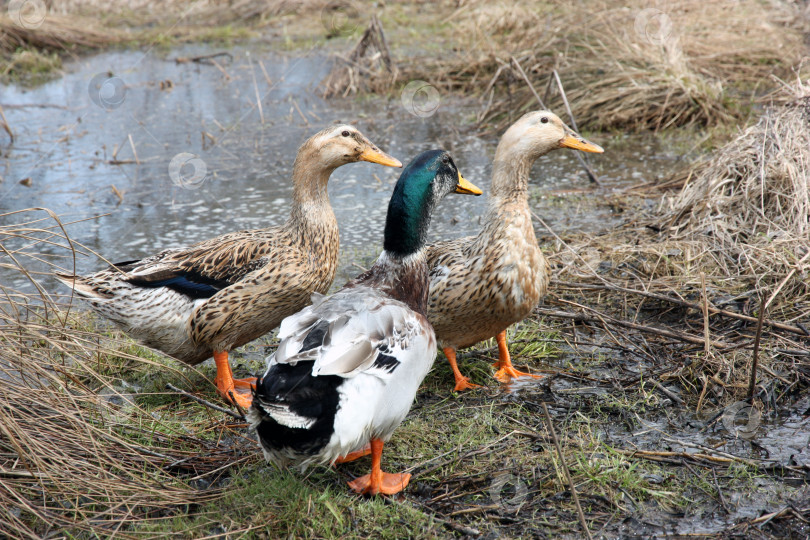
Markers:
{"x": 6, "y": 127}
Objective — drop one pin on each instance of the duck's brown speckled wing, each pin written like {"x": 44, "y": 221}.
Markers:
{"x": 219, "y": 261}
{"x": 270, "y": 275}
{"x": 481, "y": 285}
{"x": 458, "y": 288}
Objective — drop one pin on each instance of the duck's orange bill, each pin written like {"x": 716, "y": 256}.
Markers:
{"x": 378, "y": 156}
{"x": 578, "y": 143}
{"x": 466, "y": 187}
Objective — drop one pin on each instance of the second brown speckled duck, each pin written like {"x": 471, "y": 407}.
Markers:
{"x": 208, "y": 298}
{"x": 482, "y": 284}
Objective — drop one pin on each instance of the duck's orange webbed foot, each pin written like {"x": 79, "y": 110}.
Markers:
{"x": 248, "y": 383}
{"x": 240, "y": 397}
{"x": 238, "y": 391}
{"x": 357, "y": 454}
{"x": 387, "y": 484}
{"x": 505, "y": 370}
{"x": 377, "y": 481}
{"x": 507, "y": 373}
{"x": 462, "y": 382}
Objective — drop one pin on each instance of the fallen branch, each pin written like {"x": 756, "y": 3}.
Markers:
{"x": 202, "y": 59}
{"x": 669, "y": 393}
{"x": 684, "y": 303}
{"x": 667, "y": 456}
{"x": 370, "y": 57}
{"x": 202, "y": 401}
{"x": 604, "y": 319}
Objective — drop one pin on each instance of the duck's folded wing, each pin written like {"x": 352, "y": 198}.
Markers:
{"x": 201, "y": 270}
{"x": 190, "y": 283}
{"x": 351, "y": 333}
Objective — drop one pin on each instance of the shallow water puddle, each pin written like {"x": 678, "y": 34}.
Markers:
{"x": 168, "y": 154}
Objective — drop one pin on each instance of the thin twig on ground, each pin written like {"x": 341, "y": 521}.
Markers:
{"x": 207, "y": 403}
{"x": 568, "y": 477}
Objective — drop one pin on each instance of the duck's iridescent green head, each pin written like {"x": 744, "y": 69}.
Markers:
{"x": 423, "y": 183}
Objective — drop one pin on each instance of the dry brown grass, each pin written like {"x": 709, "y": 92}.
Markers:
{"x": 223, "y": 11}
{"x": 76, "y": 455}
{"x": 92, "y": 24}
{"x": 57, "y": 33}
{"x": 618, "y": 71}
{"x": 731, "y": 246}
{"x": 749, "y": 203}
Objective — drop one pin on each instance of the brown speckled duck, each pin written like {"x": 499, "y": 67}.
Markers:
{"x": 480, "y": 285}
{"x": 218, "y": 294}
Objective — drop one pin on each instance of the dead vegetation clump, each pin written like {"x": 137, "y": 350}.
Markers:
{"x": 55, "y": 33}
{"x": 78, "y": 454}
{"x": 749, "y": 204}
{"x": 625, "y": 66}
{"x": 367, "y": 67}
{"x": 717, "y": 281}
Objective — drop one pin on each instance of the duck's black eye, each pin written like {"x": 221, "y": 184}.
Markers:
{"x": 544, "y": 120}
{"x": 445, "y": 159}
{"x": 345, "y": 133}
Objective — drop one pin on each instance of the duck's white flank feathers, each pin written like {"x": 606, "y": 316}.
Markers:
{"x": 381, "y": 347}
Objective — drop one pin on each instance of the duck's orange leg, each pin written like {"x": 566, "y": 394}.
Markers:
{"x": 506, "y": 370}
{"x": 357, "y": 454}
{"x": 378, "y": 481}
{"x": 462, "y": 382}
{"x": 226, "y": 384}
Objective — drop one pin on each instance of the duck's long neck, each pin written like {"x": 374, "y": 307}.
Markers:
{"x": 508, "y": 205}
{"x": 310, "y": 204}
{"x": 407, "y": 221}
{"x": 510, "y": 173}
{"x": 401, "y": 270}
{"x": 402, "y": 277}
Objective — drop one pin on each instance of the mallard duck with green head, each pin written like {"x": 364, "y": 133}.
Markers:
{"x": 348, "y": 366}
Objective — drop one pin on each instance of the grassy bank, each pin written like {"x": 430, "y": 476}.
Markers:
{"x": 624, "y": 66}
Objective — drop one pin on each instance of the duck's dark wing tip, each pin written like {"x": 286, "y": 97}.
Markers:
{"x": 190, "y": 284}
